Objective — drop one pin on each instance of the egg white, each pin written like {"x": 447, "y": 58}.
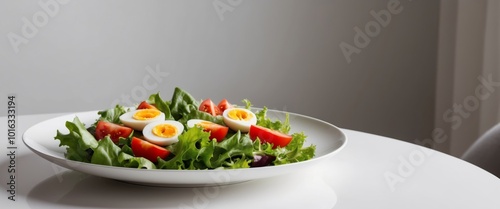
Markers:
{"x": 192, "y": 123}
{"x": 128, "y": 120}
{"x": 239, "y": 125}
{"x": 162, "y": 141}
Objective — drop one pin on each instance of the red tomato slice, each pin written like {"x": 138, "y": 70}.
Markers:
{"x": 276, "y": 138}
{"x": 142, "y": 148}
{"x": 145, "y": 105}
{"x": 224, "y": 105}
{"x": 217, "y": 131}
{"x": 208, "y": 106}
{"x": 104, "y": 128}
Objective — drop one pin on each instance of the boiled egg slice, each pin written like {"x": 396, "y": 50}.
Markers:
{"x": 193, "y": 122}
{"x": 239, "y": 119}
{"x": 163, "y": 133}
{"x": 138, "y": 119}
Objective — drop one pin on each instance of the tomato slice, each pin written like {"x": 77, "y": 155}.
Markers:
{"x": 224, "y": 105}
{"x": 208, "y": 106}
{"x": 142, "y": 148}
{"x": 217, "y": 131}
{"x": 276, "y": 138}
{"x": 145, "y": 105}
{"x": 115, "y": 131}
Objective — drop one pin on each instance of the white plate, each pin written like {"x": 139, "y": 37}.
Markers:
{"x": 328, "y": 140}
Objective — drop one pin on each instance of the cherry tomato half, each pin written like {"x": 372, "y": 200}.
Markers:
{"x": 115, "y": 131}
{"x": 224, "y": 105}
{"x": 142, "y": 148}
{"x": 208, "y": 106}
{"x": 145, "y": 105}
{"x": 276, "y": 138}
{"x": 217, "y": 131}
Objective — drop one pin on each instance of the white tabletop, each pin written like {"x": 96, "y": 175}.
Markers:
{"x": 370, "y": 172}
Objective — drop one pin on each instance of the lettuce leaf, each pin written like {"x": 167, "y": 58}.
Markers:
{"x": 242, "y": 162}
{"x": 260, "y": 148}
{"x": 196, "y": 151}
{"x": 294, "y": 151}
{"x": 184, "y": 107}
{"x": 163, "y": 106}
{"x": 106, "y": 153}
{"x": 248, "y": 104}
{"x": 112, "y": 115}
{"x": 126, "y": 159}
{"x": 237, "y": 146}
{"x": 181, "y": 103}
{"x": 264, "y": 121}
{"x": 193, "y": 148}
{"x": 80, "y": 143}
{"x": 193, "y": 113}
{"x": 82, "y": 146}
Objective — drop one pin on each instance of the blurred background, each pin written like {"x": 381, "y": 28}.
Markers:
{"x": 424, "y": 72}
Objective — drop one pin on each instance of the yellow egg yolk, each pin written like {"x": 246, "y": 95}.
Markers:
{"x": 146, "y": 114}
{"x": 237, "y": 114}
{"x": 165, "y": 130}
{"x": 203, "y": 124}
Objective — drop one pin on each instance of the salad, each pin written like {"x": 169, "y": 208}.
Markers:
{"x": 184, "y": 133}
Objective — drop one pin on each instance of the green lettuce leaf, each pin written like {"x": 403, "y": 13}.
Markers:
{"x": 80, "y": 143}
{"x": 236, "y": 146}
{"x": 163, "y": 106}
{"x": 193, "y": 113}
{"x": 263, "y": 120}
{"x": 126, "y": 159}
{"x": 294, "y": 151}
{"x": 184, "y": 107}
{"x": 190, "y": 152}
{"x": 181, "y": 103}
{"x": 112, "y": 115}
{"x": 106, "y": 153}
{"x": 260, "y": 148}
{"x": 196, "y": 151}
{"x": 242, "y": 162}
{"x": 248, "y": 104}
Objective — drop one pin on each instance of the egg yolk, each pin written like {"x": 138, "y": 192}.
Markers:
{"x": 237, "y": 114}
{"x": 146, "y": 114}
{"x": 203, "y": 123}
{"x": 165, "y": 130}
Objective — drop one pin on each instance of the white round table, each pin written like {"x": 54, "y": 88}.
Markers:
{"x": 370, "y": 172}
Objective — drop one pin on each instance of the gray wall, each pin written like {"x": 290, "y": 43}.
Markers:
{"x": 285, "y": 54}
